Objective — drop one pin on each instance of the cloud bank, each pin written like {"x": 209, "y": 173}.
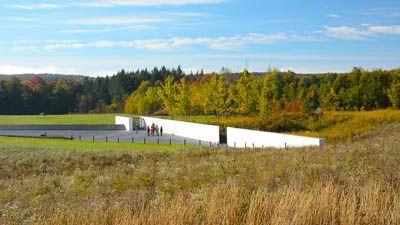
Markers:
{"x": 351, "y": 33}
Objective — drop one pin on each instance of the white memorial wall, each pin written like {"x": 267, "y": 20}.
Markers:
{"x": 127, "y": 121}
{"x": 195, "y": 131}
{"x": 240, "y": 138}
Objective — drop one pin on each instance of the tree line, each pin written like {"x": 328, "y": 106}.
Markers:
{"x": 171, "y": 91}
{"x": 218, "y": 94}
{"x": 67, "y": 95}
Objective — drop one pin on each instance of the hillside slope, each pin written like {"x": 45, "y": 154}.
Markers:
{"x": 356, "y": 183}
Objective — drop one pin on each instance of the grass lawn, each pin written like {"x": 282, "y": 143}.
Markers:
{"x": 60, "y": 119}
{"x": 34, "y": 143}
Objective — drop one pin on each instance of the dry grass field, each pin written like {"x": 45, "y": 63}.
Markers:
{"x": 336, "y": 127}
{"x": 352, "y": 183}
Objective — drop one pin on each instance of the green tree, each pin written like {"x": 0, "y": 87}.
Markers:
{"x": 266, "y": 96}
{"x": 15, "y": 103}
{"x": 64, "y": 93}
{"x": 312, "y": 98}
{"x": 394, "y": 95}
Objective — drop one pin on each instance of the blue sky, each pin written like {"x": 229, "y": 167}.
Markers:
{"x": 99, "y": 37}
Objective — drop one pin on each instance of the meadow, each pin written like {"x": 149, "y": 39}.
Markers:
{"x": 348, "y": 183}
{"x": 55, "y": 144}
{"x": 335, "y": 126}
{"x": 90, "y": 119}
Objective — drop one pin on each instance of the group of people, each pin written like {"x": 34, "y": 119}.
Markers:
{"x": 155, "y": 130}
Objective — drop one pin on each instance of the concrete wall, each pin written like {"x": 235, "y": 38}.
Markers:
{"x": 184, "y": 129}
{"x": 243, "y": 137}
{"x": 126, "y": 121}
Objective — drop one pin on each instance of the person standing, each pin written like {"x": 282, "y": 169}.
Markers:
{"x": 157, "y": 130}
{"x": 148, "y": 131}
{"x": 161, "y": 130}
{"x": 137, "y": 128}
{"x": 152, "y": 129}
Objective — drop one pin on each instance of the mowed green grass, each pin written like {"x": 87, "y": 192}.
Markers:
{"x": 35, "y": 143}
{"x": 89, "y": 119}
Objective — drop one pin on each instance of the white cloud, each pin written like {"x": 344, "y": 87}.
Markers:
{"x": 395, "y": 29}
{"x": 115, "y": 3}
{"x": 46, "y": 41}
{"x": 229, "y": 43}
{"x": 25, "y": 48}
{"x": 382, "y": 12}
{"x": 332, "y": 15}
{"x": 351, "y": 33}
{"x": 37, "y": 6}
{"x": 187, "y": 14}
{"x": 133, "y": 27}
{"x": 344, "y": 32}
{"x": 17, "y": 69}
{"x": 114, "y": 21}
{"x": 23, "y": 19}
{"x": 222, "y": 43}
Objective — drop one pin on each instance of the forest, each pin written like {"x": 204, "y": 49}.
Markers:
{"x": 172, "y": 92}
{"x": 67, "y": 95}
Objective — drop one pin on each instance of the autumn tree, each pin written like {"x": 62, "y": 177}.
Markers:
{"x": 144, "y": 100}
{"x": 331, "y": 101}
{"x": 221, "y": 95}
{"x": 183, "y": 97}
{"x": 245, "y": 97}
{"x": 167, "y": 93}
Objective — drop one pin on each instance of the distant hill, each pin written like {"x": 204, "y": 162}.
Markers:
{"x": 46, "y": 77}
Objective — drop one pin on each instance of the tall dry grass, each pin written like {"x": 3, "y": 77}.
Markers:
{"x": 356, "y": 183}
{"x": 325, "y": 203}
{"x": 336, "y": 127}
